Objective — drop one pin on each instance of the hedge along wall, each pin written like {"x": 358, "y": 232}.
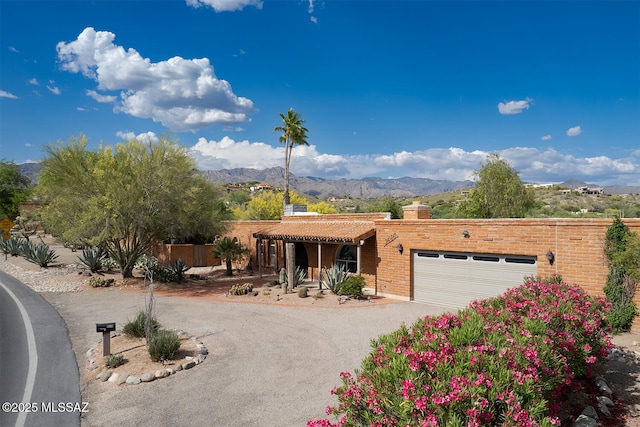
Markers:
{"x": 576, "y": 243}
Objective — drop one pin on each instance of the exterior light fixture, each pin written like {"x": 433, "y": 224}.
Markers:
{"x": 466, "y": 234}
{"x": 400, "y": 248}
{"x": 550, "y": 257}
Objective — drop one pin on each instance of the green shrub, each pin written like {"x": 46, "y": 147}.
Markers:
{"x": 334, "y": 277}
{"x": 163, "y": 345}
{"x": 179, "y": 270}
{"x": 243, "y": 289}
{"x": 299, "y": 276}
{"x": 501, "y": 361}
{"x": 114, "y": 360}
{"x": 622, "y": 249}
{"x": 93, "y": 258}
{"x": 39, "y": 253}
{"x": 136, "y": 328}
{"x": 14, "y": 246}
{"x": 352, "y": 286}
{"x": 100, "y": 282}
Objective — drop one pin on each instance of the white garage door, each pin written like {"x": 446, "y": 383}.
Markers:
{"x": 455, "y": 279}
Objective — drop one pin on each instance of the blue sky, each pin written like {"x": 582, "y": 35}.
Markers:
{"x": 387, "y": 88}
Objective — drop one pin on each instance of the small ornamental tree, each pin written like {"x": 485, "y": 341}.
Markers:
{"x": 622, "y": 249}
{"x": 229, "y": 250}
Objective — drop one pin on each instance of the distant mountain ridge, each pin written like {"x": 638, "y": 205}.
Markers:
{"x": 365, "y": 188}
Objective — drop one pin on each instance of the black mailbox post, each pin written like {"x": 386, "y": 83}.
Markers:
{"x": 106, "y": 329}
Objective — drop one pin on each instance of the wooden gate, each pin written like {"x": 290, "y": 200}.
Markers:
{"x": 199, "y": 256}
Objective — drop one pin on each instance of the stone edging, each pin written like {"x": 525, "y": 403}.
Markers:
{"x": 604, "y": 403}
{"x": 114, "y": 377}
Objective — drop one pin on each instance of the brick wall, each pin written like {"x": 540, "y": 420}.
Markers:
{"x": 577, "y": 245}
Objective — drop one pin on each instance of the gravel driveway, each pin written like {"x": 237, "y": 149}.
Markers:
{"x": 267, "y": 365}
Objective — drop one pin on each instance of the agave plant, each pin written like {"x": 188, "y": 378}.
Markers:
{"x": 299, "y": 276}
{"x": 334, "y": 277}
{"x": 179, "y": 270}
{"x": 93, "y": 258}
{"x": 13, "y": 246}
{"x": 40, "y": 254}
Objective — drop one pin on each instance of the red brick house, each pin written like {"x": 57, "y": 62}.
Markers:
{"x": 441, "y": 261}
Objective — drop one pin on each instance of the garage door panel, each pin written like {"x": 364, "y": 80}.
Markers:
{"x": 456, "y": 279}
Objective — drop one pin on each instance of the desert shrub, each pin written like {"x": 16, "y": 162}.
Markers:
{"x": 163, "y": 345}
{"x": 334, "y": 277}
{"x": 136, "y": 328}
{"x": 243, "y": 289}
{"x": 93, "y": 258}
{"x": 14, "y": 246}
{"x": 100, "y": 282}
{"x": 299, "y": 276}
{"x": 114, "y": 360}
{"x": 179, "y": 270}
{"x": 6, "y": 246}
{"x": 39, "y": 253}
{"x": 150, "y": 265}
{"x": 352, "y": 286}
{"x": 622, "y": 249}
{"x": 501, "y": 361}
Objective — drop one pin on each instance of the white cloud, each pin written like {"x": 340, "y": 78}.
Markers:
{"x": 104, "y": 99}
{"x": 9, "y": 95}
{"x": 34, "y": 82}
{"x": 574, "y": 131}
{"x": 546, "y": 137}
{"x": 13, "y": 49}
{"x": 455, "y": 164}
{"x": 225, "y": 5}
{"x": 53, "y": 89}
{"x": 143, "y": 137}
{"x": 182, "y": 94}
{"x": 514, "y": 107}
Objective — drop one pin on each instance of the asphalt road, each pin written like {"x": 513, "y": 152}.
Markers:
{"x": 39, "y": 379}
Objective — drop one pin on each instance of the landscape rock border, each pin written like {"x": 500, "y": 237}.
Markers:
{"x": 604, "y": 404}
{"x": 109, "y": 375}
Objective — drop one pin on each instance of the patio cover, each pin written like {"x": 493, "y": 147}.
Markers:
{"x": 346, "y": 232}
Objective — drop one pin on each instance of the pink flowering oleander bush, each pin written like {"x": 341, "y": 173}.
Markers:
{"x": 500, "y": 361}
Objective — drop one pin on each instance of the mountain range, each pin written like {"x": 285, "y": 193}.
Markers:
{"x": 365, "y": 188}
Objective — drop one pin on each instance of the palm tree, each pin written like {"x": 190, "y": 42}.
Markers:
{"x": 293, "y": 133}
{"x": 229, "y": 250}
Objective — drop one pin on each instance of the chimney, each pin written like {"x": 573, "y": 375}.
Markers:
{"x": 417, "y": 211}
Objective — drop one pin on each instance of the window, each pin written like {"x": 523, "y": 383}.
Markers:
{"x": 346, "y": 256}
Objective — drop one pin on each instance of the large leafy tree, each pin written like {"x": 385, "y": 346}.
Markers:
{"x": 14, "y": 188}
{"x": 293, "y": 133}
{"x": 388, "y": 205}
{"x": 127, "y": 198}
{"x": 498, "y": 193}
{"x": 269, "y": 206}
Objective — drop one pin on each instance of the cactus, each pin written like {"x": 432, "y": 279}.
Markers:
{"x": 302, "y": 292}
